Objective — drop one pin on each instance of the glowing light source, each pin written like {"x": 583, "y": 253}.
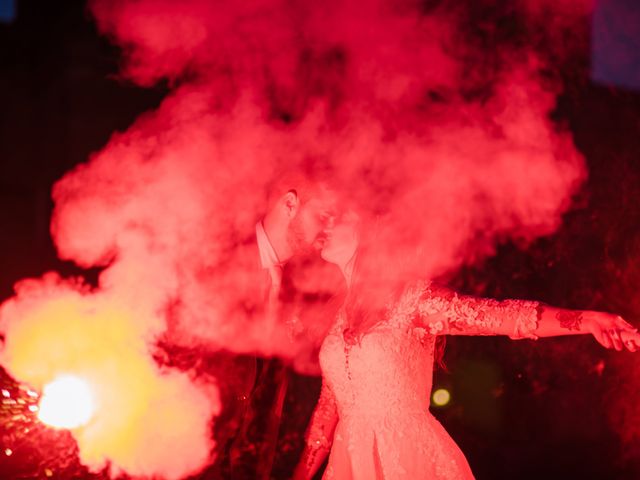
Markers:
{"x": 8, "y": 452}
{"x": 441, "y": 397}
{"x": 67, "y": 402}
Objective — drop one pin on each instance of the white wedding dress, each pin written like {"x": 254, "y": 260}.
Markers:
{"x": 382, "y": 385}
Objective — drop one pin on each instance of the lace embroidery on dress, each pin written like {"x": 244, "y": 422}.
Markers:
{"x": 527, "y": 315}
{"x": 319, "y": 436}
{"x": 444, "y": 311}
{"x": 382, "y": 386}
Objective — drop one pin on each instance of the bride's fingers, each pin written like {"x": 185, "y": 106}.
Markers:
{"x": 602, "y": 336}
{"x": 616, "y": 339}
{"x": 631, "y": 340}
{"x": 624, "y": 325}
{"x": 630, "y": 343}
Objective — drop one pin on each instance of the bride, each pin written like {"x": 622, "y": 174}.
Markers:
{"x": 373, "y": 416}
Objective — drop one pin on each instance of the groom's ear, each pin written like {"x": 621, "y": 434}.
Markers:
{"x": 291, "y": 203}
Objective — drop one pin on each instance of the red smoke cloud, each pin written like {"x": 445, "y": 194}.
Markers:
{"x": 376, "y": 92}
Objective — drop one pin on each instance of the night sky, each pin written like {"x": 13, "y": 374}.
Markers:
{"x": 555, "y": 408}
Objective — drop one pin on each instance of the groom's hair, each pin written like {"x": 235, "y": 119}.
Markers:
{"x": 305, "y": 183}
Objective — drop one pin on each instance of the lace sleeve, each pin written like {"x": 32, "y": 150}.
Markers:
{"x": 442, "y": 311}
{"x": 319, "y": 436}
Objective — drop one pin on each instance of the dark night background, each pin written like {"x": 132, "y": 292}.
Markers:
{"x": 520, "y": 409}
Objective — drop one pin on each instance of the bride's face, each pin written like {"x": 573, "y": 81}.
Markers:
{"x": 341, "y": 239}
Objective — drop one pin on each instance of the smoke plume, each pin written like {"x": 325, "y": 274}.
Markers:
{"x": 451, "y": 141}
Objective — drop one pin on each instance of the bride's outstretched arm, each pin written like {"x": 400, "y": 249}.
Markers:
{"x": 443, "y": 311}
{"x": 610, "y": 330}
{"x": 319, "y": 436}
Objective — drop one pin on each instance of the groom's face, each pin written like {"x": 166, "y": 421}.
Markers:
{"x": 307, "y": 230}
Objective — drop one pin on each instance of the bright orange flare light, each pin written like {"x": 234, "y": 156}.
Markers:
{"x": 67, "y": 402}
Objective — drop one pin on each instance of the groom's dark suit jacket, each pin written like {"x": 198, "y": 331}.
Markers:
{"x": 260, "y": 433}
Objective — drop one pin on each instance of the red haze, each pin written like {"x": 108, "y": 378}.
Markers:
{"x": 374, "y": 92}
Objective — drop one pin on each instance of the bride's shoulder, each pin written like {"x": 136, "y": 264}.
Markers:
{"x": 415, "y": 290}
{"x": 421, "y": 297}
{"x": 404, "y": 305}
{"x": 339, "y": 322}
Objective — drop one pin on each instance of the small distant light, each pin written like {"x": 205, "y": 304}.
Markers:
{"x": 8, "y": 452}
{"x": 441, "y": 397}
{"x": 32, "y": 394}
{"x": 48, "y": 472}
{"x": 33, "y": 408}
{"x": 6, "y": 393}
{"x": 599, "y": 367}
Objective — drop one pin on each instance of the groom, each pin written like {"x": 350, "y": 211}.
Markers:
{"x": 296, "y": 302}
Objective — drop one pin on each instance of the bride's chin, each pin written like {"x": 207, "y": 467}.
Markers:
{"x": 327, "y": 257}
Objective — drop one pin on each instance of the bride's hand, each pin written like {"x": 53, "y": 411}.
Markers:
{"x": 612, "y": 331}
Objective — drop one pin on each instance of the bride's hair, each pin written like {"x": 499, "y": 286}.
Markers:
{"x": 381, "y": 273}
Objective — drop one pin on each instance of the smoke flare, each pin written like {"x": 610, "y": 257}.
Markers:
{"x": 457, "y": 155}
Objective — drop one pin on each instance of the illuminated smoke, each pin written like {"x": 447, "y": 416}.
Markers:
{"x": 368, "y": 90}
{"x": 383, "y": 94}
{"x": 146, "y": 421}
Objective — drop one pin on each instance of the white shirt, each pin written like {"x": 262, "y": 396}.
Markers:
{"x": 269, "y": 261}
{"x": 268, "y": 256}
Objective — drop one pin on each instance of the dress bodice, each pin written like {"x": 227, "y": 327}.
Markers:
{"x": 388, "y": 369}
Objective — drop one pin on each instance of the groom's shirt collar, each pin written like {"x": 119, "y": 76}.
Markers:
{"x": 268, "y": 256}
